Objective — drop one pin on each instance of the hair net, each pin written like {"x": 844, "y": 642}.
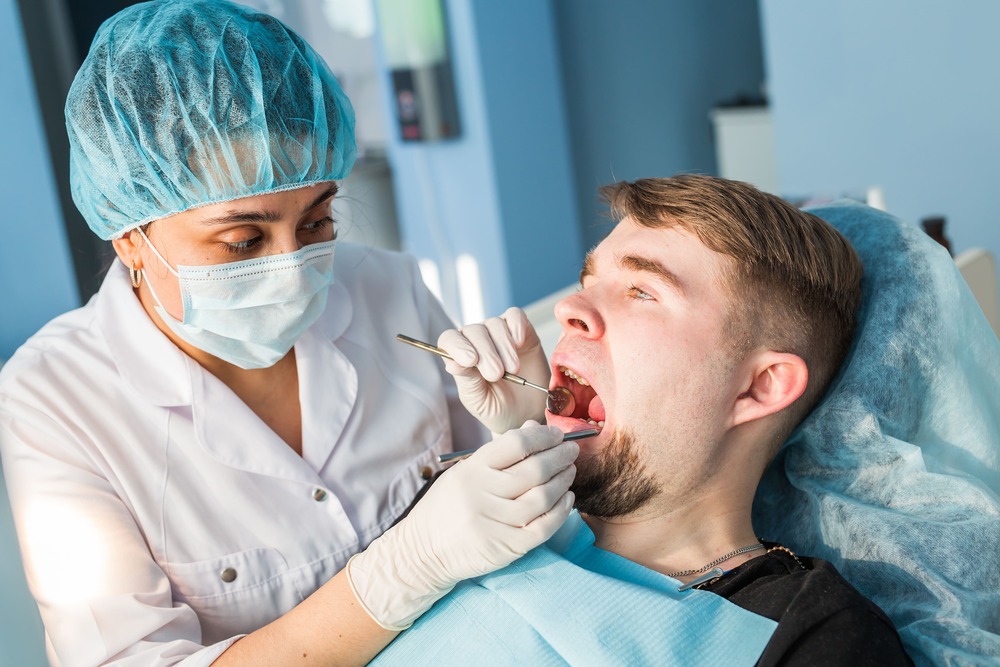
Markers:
{"x": 183, "y": 103}
{"x": 895, "y": 476}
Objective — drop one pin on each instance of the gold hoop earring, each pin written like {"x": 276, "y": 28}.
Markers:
{"x": 136, "y": 276}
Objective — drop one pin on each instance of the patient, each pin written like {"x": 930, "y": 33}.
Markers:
{"x": 710, "y": 322}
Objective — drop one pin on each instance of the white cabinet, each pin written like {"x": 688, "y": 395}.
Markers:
{"x": 744, "y": 145}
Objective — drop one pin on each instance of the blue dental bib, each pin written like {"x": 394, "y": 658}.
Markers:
{"x": 568, "y": 602}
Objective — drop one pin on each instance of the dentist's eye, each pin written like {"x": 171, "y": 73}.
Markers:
{"x": 638, "y": 294}
{"x": 241, "y": 247}
{"x": 320, "y": 227}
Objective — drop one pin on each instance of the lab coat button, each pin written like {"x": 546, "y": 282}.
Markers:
{"x": 319, "y": 495}
{"x": 228, "y": 575}
{"x": 426, "y": 473}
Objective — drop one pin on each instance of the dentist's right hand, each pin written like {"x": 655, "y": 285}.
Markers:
{"x": 481, "y": 515}
{"x": 482, "y": 353}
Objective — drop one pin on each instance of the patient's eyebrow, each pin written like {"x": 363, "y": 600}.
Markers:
{"x": 647, "y": 265}
{"x": 230, "y": 217}
{"x": 588, "y": 266}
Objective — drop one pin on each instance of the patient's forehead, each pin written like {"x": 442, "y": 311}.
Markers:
{"x": 676, "y": 251}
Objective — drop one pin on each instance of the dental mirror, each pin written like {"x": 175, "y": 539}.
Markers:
{"x": 560, "y": 401}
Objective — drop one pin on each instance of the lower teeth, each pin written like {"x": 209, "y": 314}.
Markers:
{"x": 596, "y": 423}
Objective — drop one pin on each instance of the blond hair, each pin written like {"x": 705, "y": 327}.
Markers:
{"x": 794, "y": 282}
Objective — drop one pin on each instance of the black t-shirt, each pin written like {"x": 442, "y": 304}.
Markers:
{"x": 822, "y": 619}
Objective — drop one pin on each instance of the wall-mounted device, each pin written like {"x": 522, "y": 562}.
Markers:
{"x": 415, "y": 39}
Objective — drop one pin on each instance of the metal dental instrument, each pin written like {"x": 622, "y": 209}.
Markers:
{"x": 574, "y": 435}
{"x": 557, "y": 400}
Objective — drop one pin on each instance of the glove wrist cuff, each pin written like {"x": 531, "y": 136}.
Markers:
{"x": 391, "y": 589}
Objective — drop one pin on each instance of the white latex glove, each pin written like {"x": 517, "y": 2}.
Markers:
{"x": 482, "y": 353}
{"x": 481, "y": 515}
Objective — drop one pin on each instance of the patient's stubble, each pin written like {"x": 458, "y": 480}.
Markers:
{"x": 613, "y": 482}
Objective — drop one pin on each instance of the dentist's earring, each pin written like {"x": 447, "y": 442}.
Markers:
{"x": 136, "y": 276}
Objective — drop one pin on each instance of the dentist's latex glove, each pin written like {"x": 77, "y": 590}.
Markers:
{"x": 482, "y": 353}
{"x": 481, "y": 515}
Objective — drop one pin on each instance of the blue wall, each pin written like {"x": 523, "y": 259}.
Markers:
{"x": 640, "y": 78}
{"x": 902, "y": 94}
{"x": 36, "y": 283}
{"x": 36, "y": 275}
{"x": 530, "y": 146}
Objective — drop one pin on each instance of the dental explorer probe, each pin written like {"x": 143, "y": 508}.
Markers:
{"x": 465, "y": 453}
{"x": 557, "y": 400}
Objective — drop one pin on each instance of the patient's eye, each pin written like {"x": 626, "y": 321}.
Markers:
{"x": 638, "y": 293}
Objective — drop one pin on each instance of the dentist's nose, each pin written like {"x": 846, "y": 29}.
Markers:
{"x": 578, "y": 316}
{"x": 287, "y": 243}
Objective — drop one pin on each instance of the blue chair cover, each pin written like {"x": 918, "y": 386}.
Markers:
{"x": 895, "y": 477}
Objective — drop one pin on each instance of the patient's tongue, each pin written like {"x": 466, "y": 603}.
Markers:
{"x": 596, "y": 409}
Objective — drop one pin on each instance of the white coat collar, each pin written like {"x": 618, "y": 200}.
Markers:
{"x": 167, "y": 377}
{"x": 146, "y": 359}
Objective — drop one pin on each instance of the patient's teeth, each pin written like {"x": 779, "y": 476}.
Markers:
{"x": 600, "y": 424}
{"x": 570, "y": 374}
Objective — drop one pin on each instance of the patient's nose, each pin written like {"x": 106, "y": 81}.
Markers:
{"x": 579, "y": 317}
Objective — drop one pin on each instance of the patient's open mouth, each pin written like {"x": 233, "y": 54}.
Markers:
{"x": 589, "y": 407}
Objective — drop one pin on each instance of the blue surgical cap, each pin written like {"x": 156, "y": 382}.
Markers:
{"x": 182, "y": 103}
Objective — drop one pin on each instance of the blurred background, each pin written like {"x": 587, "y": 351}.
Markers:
{"x": 485, "y": 128}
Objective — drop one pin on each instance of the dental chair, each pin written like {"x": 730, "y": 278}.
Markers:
{"x": 895, "y": 476}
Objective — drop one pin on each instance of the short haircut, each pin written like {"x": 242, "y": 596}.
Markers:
{"x": 794, "y": 282}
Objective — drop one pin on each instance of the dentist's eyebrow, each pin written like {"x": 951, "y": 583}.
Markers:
{"x": 651, "y": 266}
{"x": 231, "y": 217}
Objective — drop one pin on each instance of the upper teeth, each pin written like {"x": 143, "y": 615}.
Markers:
{"x": 570, "y": 374}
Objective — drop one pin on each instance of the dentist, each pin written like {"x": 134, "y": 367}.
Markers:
{"x": 206, "y": 461}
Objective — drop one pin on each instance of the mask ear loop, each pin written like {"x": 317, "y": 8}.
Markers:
{"x": 141, "y": 273}
{"x": 156, "y": 252}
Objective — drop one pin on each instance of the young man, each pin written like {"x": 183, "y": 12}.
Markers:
{"x": 709, "y": 323}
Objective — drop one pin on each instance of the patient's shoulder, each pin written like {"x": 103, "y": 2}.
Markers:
{"x": 822, "y": 619}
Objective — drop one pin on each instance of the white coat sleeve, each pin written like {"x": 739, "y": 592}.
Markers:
{"x": 102, "y": 597}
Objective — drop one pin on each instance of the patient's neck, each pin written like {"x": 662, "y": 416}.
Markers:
{"x": 683, "y": 537}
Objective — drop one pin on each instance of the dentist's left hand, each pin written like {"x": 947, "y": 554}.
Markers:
{"x": 480, "y": 515}
{"x": 482, "y": 353}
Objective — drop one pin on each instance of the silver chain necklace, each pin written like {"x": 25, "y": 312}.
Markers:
{"x": 721, "y": 559}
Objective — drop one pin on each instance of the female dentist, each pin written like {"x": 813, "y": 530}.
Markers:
{"x": 205, "y": 461}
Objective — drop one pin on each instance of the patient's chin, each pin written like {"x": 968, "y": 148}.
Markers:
{"x": 613, "y": 482}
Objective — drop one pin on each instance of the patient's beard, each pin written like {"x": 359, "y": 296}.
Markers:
{"x": 613, "y": 482}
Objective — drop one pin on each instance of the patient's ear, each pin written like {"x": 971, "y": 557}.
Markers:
{"x": 775, "y": 380}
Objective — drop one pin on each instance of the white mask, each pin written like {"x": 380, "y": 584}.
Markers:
{"x": 250, "y": 313}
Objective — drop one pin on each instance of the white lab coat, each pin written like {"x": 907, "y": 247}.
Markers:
{"x": 160, "y": 519}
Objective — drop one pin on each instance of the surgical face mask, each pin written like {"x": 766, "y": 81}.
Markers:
{"x": 250, "y": 313}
